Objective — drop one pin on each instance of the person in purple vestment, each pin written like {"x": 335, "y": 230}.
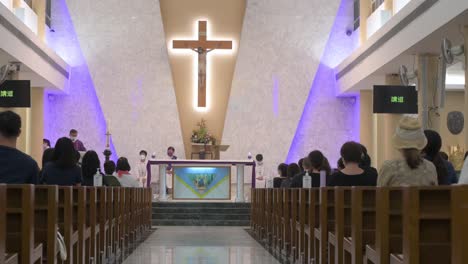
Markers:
{"x": 77, "y": 144}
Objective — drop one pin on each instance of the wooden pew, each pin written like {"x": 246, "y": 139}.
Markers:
{"x": 66, "y": 225}
{"x": 302, "y": 219}
{"x": 110, "y": 250}
{"x": 20, "y": 224}
{"x": 294, "y": 225}
{"x": 128, "y": 216}
{"x": 268, "y": 221}
{"x": 92, "y": 222}
{"x": 117, "y": 225}
{"x": 362, "y": 224}
{"x": 325, "y": 224}
{"x": 5, "y": 256}
{"x": 278, "y": 215}
{"x": 388, "y": 239}
{"x": 260, "y": 228}
{"x": 286, "y": 224}
{"x": 310, "y": 223}
{"x": 123, "y": 222}
{"x": 428, "y": 230}
{"x": 339, "y": 219}
{"x": 45, "y": 221}
{"x": 84, "y": 226}
{"x": 103, "y": 223}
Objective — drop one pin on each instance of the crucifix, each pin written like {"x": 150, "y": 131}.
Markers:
{"x": 202, "y": 46}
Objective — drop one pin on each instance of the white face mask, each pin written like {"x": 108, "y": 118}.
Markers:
{"x": 44, "y": 147}
{"x": 142, "y": 157}
{"x": 73, "y": 139}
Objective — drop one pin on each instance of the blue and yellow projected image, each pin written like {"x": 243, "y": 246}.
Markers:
{"x": 202, "y": 183}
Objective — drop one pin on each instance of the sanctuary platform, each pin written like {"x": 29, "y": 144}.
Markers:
{"x": 201, "y": 214}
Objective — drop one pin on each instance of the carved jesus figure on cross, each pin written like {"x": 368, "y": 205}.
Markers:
{"x": 201, "y": 46}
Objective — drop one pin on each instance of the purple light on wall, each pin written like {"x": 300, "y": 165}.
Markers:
{"x": 79, "y": 106}
{"x": 328, "y": 121}
{"x": 275, "y": 96}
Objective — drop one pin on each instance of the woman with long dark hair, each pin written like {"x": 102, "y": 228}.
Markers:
{"x": 62, "y": 170}
{"x": 432, "y": 153}
{"x": 89, "y": 166}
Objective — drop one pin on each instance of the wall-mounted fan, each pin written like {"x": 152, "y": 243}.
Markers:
{"x": 447, "y": 57}
{"x": 8, "y": 69}
{"x": 406, "y": 76}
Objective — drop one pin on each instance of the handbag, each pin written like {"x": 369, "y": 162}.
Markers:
{"x": 61, "y": 246}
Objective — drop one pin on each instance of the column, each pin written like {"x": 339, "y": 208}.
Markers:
{"x": 376, "y": 130}
{"x": 162, "y": 182}
{"x": 36, "y": 123}
{"x": 39, "y": 7}
{"x": 427, "y": 88}
{"x": 390, "y": 122}
{"x": 465, "y": 32}
{"x": 364, "y": 12}
{"x": 365, "y": 112}
{"x": 388, "y": 5}
{"x": 240, "y": 183}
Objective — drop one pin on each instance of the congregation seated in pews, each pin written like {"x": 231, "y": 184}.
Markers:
{"x": 363, "y": 224}
{"x": 406, "y": 213}
{"x": 62, "y": 214}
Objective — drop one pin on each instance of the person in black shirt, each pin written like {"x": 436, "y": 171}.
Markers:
{"x": 352, "y": 174}
{"x": 89, "y": 166}
{"x": 293, "y": 170}
{"x": 432, "y": 153}
{"x": 63, "y": 169}
{"x": 47, "y": 157}
{"x": 315, "y": 162}
{"x": 283, "y": 174}
{"x": 366, "y": 162}
{"x": 15, "y": 166}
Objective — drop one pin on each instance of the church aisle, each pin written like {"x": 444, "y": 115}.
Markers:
{"x": 194, "y": 245}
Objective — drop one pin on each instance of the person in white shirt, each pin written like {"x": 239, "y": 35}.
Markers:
{"x": 260, "y": 177}
{"x": 123, "y": 174}
{"x": 464, "y": 173}
{"x": 142, "y": 167}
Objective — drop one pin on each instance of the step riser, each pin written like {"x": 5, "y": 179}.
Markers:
{"x": 201, "y": 214}
{"x": 166, "y": 210}
{"x": 203, "y": 205}
{"x": 201, "y": 223}
{"x": 202, "y": 217}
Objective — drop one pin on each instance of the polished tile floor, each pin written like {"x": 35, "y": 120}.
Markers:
{"x": 200, "y": 245}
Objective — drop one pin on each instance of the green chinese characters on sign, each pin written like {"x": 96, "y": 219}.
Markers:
{"x": 4, "y": 93}
{"x": 397, "y": 99}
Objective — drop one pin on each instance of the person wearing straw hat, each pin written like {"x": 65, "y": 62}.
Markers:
{"x": 413, "y": 169}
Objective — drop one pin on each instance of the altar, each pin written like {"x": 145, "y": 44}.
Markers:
{"x": 200, "y": 179}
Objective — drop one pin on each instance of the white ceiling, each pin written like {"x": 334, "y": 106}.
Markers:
{"x": 431, "y": 45}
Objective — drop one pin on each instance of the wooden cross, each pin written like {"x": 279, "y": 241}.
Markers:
{"x": 201, "y": 46}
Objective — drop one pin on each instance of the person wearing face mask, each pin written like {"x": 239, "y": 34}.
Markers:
{"x": 141, "y": 167}
{"x": 260, "y": 177}
{"x": 77, "y": 144}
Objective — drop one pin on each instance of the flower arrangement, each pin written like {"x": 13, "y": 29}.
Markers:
{"x": 201, "y": 135}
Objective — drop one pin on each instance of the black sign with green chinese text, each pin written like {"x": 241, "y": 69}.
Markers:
{"x": 15, "y": 93}
{"x": 391, "y": 99}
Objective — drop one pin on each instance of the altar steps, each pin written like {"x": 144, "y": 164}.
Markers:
{"x": 201, "y": 214}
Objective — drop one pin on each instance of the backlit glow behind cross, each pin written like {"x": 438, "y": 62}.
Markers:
{"x": 202, "y": 46}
